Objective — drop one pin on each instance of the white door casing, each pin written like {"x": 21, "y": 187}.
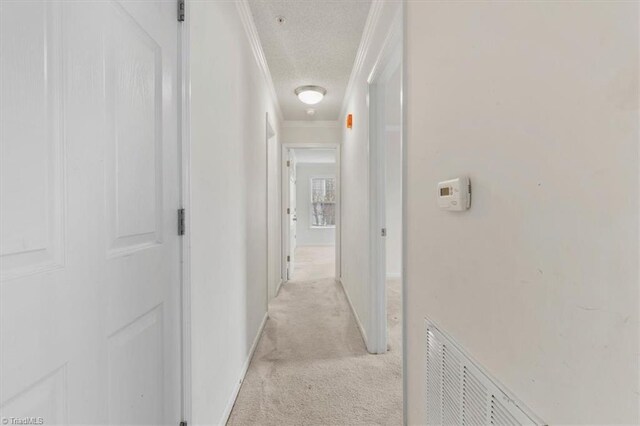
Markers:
{"x": 388, "y": 62}
{"x": 273, "y": 209}
{"x": 90, "y": 256}
{"x": 293, "y": 215}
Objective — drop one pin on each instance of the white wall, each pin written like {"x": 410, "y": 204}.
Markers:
{"x": 306, "y": 235}
{"x": 538, "y": 103}
{"x": 313, "y": 132}
{"x": 229, "y": 99}
{"x": 355, "y": 178}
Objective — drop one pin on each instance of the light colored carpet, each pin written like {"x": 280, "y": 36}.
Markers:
{"x": 311, "y": 366}
{"x": 314, "y": 263}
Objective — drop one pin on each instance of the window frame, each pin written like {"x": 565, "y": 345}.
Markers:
{"x": 325, "y": 176}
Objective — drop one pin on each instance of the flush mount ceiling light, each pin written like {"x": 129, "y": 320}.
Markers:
{"x": 310, "y": 95}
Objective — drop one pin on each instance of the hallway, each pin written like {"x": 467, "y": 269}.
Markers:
{"x": 351, "y": 212}
{"x": 311, "y": 365}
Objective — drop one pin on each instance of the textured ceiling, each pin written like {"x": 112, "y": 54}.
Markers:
{"x": 316, "y": 44}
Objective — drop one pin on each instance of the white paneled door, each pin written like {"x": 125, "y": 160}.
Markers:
{"x": 90, "y": 257}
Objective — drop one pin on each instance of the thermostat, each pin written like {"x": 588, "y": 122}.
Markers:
{"x": 455, "y": 194}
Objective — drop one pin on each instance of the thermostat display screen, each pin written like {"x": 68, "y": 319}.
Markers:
{"x": 445, "y": 192}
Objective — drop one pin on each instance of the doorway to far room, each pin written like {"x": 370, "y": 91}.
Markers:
{"x": 312, "y": 213}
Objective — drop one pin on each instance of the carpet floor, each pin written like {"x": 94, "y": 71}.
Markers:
{"x": 311, "y": 366}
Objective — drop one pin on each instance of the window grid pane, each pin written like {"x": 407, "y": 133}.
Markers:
{"x": 323, "y": 197}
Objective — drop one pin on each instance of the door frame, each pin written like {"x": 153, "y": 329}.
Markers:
{"x": 284, "y": 177}
{"x": 184, "y": 131}
{"x": 270, "y": 137}
{"x": 292, "y": 211}
{"x": 388, "y": 61}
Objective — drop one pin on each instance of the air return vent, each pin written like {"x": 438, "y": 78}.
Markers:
{"x": 460, "y": 393}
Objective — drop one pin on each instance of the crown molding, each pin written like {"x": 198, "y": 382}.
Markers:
{"x": 312, "y": 124}
{"x": 363, "y": 48}
{"x": 256, "y": 46}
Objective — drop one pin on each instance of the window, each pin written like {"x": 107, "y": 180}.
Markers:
{"x": 323, "y": 202}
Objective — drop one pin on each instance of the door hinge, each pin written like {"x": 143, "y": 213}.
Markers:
{"x": 183, "y": 423}
{"x": 288, "y": 163}
{"x": 288, "y": 258}
{"x": 288, "y": 210}
{"x": 384, "y": 232}
{"x": 181, "y": 10}
{"x": 181, "y": 227}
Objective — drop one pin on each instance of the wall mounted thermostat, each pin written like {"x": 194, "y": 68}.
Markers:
{"x": 455, "y": 194}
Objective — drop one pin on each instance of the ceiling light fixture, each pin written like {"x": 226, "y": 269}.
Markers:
{"x": 310, "y": 95}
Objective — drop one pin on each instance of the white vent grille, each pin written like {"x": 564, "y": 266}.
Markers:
{"x": 460, "y": 393}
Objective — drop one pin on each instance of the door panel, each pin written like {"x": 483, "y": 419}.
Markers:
{"x": 90, "y": 259}
{"x": 134, "y": 153}
{"x": 31, "y": 236}
{"x": 136, "y": 352}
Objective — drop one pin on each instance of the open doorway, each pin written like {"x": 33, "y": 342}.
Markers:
{"x": 385, "y": 191}
{"x": 393, "y": 207}
{"x": 311, "y": 212}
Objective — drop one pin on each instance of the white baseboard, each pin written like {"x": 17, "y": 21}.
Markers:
{"x": 355, "y": 315}
{"x": 278, "y": 288}
{"x": 394, "y": 275}
{"x": 243, "y": 373}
